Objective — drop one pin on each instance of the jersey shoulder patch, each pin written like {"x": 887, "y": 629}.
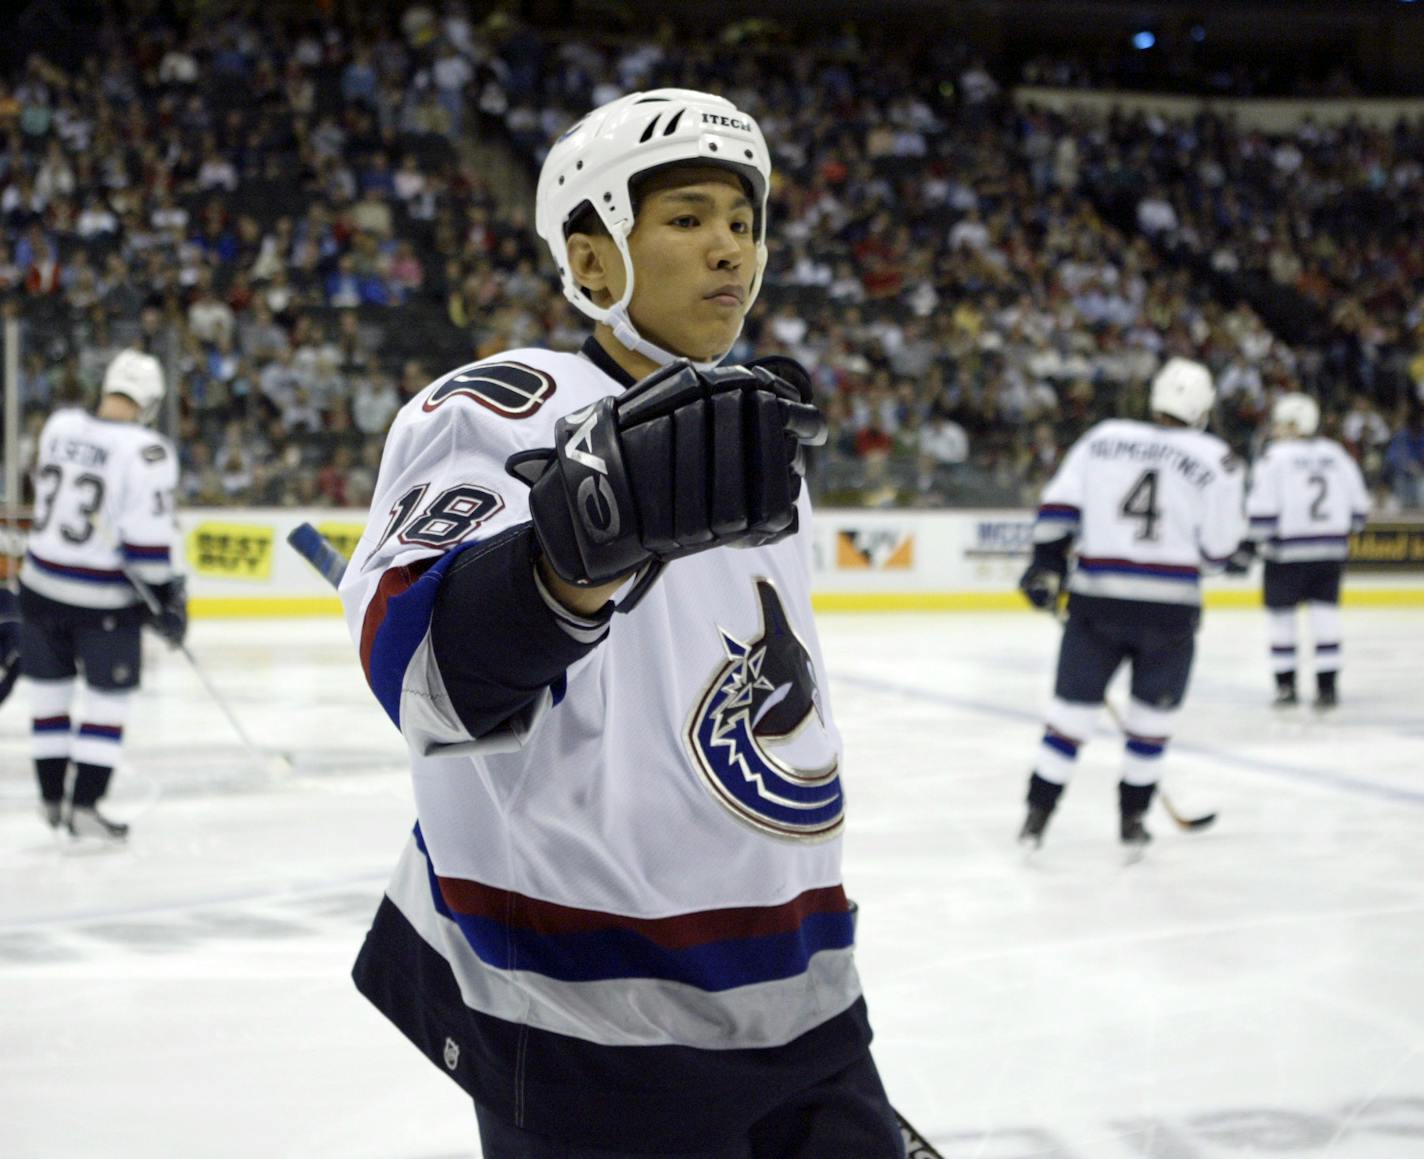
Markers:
{"x": 154, "y": 453}
{"x": 512, "y": 390}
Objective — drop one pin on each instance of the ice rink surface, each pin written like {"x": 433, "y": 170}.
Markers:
{"x": 1256, "y": 989}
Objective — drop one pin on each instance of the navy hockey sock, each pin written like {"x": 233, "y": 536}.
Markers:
{"x": 90, "y": 783}
{"x": 50, "y": 771}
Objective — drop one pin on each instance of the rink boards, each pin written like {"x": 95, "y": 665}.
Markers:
{"x": 239, "y": 563}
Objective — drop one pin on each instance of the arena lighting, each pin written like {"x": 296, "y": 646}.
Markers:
{"x": 1143, "y": 40}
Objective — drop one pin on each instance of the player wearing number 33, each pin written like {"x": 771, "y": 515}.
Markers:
{"x": 619, "y": 923}
{"x": 104, "y": 487}
{"x": 1150, "y": 507}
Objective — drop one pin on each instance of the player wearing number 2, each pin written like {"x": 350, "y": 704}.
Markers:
{"x": 619, "y": 924}
{"x": 1307, "y": 495}
{"x": 104, "y": 487}
{"x": 1151, "y": 506}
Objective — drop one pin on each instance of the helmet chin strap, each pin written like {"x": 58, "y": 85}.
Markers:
{"x": 626, "y": 333}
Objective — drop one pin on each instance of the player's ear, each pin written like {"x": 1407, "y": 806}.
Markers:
{"x": 589, "y": 263}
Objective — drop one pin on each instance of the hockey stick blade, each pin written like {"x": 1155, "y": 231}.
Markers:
{"x": 916, "y": 1145}
{"x": 314, "y": 547}
{"x": 1181, "y": 821}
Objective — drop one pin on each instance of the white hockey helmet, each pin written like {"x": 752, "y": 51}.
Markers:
{"x": 137, "y": 376}
{"x": 1184, "y": 390}
{"x": 596, "y": 162}
{"x": 1296, "y": 414}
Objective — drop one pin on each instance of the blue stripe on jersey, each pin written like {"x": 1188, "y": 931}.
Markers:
{"x": 1283, "y": 539}
{"x": 145, "y": 554}
{"x": 1143, "y": 748}
{"x": 1177, "y": 573}
{"x": 608, "y": 955}
{"x": 403, "y": 625}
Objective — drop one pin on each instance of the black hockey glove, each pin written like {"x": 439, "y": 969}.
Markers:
{"x": 681, "y": 462}
{"x": 1042, "y": 581}
{"x": 171, "y": 619}
{"x": 1239, "y": 561}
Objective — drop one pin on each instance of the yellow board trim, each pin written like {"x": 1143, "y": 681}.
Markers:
{"x": 237, "y": 607}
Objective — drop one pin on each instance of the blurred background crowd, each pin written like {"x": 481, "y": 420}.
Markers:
{"x": 307, "y": 215}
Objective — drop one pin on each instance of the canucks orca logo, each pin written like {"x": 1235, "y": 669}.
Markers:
{"x": 765, "y": 698}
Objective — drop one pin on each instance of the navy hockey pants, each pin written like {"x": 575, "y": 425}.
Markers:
{"x": 845, "y": 1117}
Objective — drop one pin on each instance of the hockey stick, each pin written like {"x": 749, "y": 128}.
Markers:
{"x": 150, "y": 601}
{"x": 316, "y": 549}
{"x": 1181, "y": 820}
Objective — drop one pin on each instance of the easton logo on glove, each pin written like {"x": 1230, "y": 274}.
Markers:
{"x": 596, "y": 504}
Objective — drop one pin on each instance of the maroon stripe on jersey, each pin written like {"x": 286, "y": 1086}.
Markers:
{"x": 105, "y": 573}
{"x": 679, "y": 932}
{"x": 396, "y": 581}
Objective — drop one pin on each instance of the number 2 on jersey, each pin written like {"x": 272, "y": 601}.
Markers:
{"x": 1318, "y": 514}
{"x": 1141, "y": 504}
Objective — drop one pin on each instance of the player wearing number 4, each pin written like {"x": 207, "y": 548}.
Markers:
{"x": 619, "y": 924}
{"x": 104, "y": 487}
{"x": 1307, "y": 495}
{"x": 1150, "y": 506}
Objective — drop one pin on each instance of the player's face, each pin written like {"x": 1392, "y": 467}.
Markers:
{"x": 694, "y": 259}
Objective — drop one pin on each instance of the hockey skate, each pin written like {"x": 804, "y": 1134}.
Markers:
{"x": 1285, "y": 691}
{"x": 87, "y": 821}
{"x": 52, "y": 813}
{"x": 1135, "y": 837}
{"x": 1325, "y": 697}
{"x": 1031, "y": 835}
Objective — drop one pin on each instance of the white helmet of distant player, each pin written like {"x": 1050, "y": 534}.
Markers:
{"x": 597, "y": 161}
{"x": 1183, "y": 389}
{"x": 136, "y": 376}
{"x": 1295, "y": 414}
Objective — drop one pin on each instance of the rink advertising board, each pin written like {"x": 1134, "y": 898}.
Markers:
{"x": 891, "y": 560}
{"x": 1388, "y": 547}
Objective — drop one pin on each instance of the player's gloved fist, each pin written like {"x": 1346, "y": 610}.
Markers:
{"x": 683, "y": 461}
{"x": 1239, "y": 561}
{"x": 1041, "y": 585}
{"x": 1043, "y": 579}
{"x": 171, "y": 619}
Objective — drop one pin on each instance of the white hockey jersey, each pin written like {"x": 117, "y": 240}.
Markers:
{"x": 1307, "y": 496}
{"x": 1151, "y": 508}
{"x": 104, "y": 500}
{"x": 650, "y": 854}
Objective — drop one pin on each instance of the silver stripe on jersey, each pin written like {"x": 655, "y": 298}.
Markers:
{"x": 76, "y": 592}
{"x": 629, "y": 1011}
{"x": 1135, "y": 587}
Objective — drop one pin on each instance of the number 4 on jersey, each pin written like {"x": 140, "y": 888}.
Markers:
{"x": 1141, "y": 504}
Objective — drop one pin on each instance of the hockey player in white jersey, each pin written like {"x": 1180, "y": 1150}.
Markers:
{"x": 1150, "y": 507}
{"x": 104, "y": 488}
{"x": 619, "y": 924}
{"x": 1307, "y": 495}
